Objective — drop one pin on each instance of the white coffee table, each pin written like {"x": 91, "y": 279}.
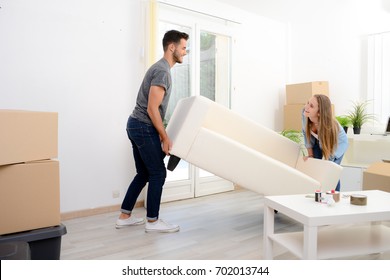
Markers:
{"x": 341, "y": 230}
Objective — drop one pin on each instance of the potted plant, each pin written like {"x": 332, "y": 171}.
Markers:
{"x": 358, "y": 116}
{"x": 296, "y": 136}
{"x": 344, "y": 121}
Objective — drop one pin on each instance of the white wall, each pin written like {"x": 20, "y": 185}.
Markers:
{"x": 83, "y": 60}
{"x": 330, "y": 43}
{"x": 327, "y": 41}
{"x": 260, "y": 70}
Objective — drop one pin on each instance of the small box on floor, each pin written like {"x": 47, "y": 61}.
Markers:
{"x": 377, "y": 177}
{"x": 29, "y": 196}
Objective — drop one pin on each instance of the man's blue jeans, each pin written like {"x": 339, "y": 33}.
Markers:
{"x": 150, "y": 167}
{"x": 317, "y": 153}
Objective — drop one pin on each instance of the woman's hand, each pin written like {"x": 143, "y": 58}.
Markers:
{"x": 306, "y": 157}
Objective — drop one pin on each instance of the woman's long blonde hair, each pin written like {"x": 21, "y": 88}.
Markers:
{"x": 327, "y": 129}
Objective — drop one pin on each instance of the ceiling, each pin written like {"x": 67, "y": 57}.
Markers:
{"x": 278, "y": 9}
{"x": 285, "y": 10}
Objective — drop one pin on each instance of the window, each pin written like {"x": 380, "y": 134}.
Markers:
{"x": 379, "y": 75}
{"x": 215, "y": 67}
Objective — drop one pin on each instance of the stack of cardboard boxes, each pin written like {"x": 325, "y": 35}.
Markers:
{"x": 29, "y": 173}
{"x": 296, "y": 97}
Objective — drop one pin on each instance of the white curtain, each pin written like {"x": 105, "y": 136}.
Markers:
{"x": 151, "y": 31}
{"x": 378, "y": 81}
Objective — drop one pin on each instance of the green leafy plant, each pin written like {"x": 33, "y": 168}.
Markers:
{"x": 344, "y": 121}
{"x": 293, "y": 135}
{"x": 296, "y": 136}
{"x": 358, "y": 116}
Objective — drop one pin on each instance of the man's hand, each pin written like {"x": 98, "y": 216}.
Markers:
{"x": 166, "y": 145}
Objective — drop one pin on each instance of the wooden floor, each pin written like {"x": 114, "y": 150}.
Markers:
{"x": 216, "y": 227}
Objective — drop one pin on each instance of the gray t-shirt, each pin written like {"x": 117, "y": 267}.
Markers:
{"x": 159, "y": 74}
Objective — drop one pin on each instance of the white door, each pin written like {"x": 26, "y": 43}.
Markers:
{"x": 206, "y": 71}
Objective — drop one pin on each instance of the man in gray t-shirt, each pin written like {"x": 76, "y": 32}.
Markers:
{"x": 157, "y": 75}
{"x": 149, "y": 139}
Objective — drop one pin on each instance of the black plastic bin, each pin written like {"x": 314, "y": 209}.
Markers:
{"x": 17, "y": 250}
{"x": 44, "y": 243}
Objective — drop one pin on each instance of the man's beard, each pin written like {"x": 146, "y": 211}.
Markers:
{"x": 176, "y": 58}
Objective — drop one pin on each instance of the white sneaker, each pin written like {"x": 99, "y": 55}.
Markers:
{"x": 131, "y": 221}
{"x": 161, "y": 226}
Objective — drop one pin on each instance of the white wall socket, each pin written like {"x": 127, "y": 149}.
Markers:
{"x": 115, "y": 194}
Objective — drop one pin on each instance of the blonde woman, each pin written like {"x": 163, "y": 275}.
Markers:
{"x": 324, "y": 137}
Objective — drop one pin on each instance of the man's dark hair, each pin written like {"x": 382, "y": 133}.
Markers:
{"x": 173, "y": 36}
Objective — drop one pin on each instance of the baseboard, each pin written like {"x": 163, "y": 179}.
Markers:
{"x": 94, "y": 211}
{"x": 107, "y": 209}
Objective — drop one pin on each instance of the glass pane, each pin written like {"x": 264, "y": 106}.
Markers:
{"x": 181, "y": 88}
{"x": 214, "y": 67}
{"x": 214, "y": 71}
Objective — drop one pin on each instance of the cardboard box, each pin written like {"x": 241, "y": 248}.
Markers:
{"x": 293, "y": 116}
{"x": 27, "y": 136}
{"x": 301, "y": 93}
{"x": 29, "y": 196}
{"x": 377, "y": 177}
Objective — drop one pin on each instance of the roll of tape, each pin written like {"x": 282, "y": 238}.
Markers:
{"x": 336, "y": 195}
{"x": 358, "y": 199}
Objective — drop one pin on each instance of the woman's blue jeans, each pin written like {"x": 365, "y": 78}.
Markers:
{"x": 150, "y": 167}
{"x": 317, "y": 153}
